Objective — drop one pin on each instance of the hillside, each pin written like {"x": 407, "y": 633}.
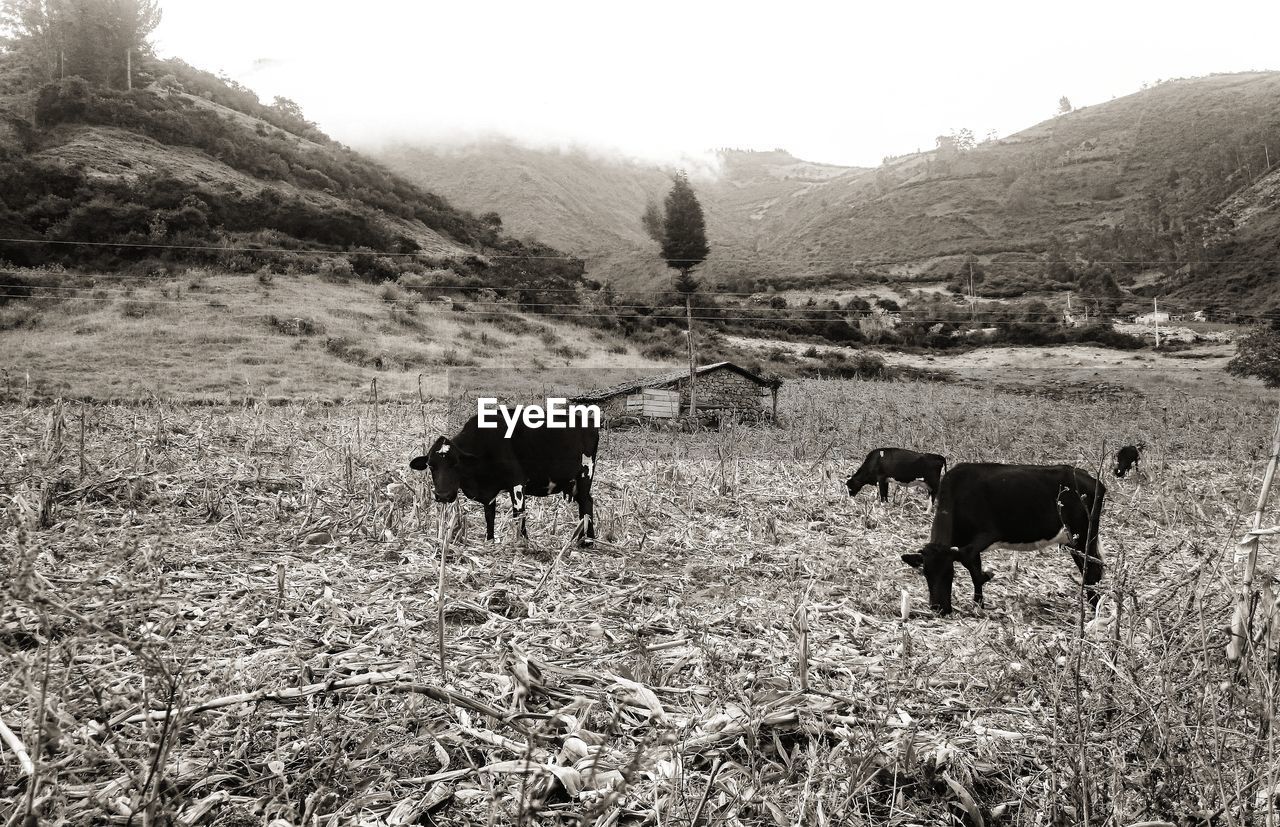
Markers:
{"x": 1134, "y": 185}
{"x": 230, "y": 337}
{"x": 590, "y": 204}
{"x": 190, "y": 169}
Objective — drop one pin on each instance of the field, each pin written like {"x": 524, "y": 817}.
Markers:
{"x": 230, "y": 616}
{"x": 226, "y": 337}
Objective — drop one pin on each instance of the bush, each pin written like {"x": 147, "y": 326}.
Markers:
{"x": 18, "y": 316}
{"x": 138, "y": 308}
{"x": 1258, "y": 354}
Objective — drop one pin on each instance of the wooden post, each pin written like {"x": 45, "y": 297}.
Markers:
{"x": 693, "y": 371}
{"x": 973, "y": 297}
{"x": 1155, "y": 317}
{"x": 1241, "y": 631}
{"x": 128, "y": 70}
{"x": 774, "y": 391}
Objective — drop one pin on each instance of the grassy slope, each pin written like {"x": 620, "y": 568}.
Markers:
{"x": 1131, "y": 143}
{"x": 119, "y": 155}
{"x": 211, "y": 338}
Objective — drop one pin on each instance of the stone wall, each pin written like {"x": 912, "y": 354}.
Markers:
{"x": 722, "y": 389}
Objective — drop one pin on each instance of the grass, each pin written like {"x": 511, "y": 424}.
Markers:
{"x": 232, "y": 337}
{"x": 733, "y": 652}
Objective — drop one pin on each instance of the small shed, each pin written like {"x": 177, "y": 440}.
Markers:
{"x": 721, "y": 388}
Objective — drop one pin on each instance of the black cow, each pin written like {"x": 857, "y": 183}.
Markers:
{"x": 1127, "y": 457}
{"x": 984, "y": 504}
{"x": 899, "y": 464}
{"x": 534, "y": 462}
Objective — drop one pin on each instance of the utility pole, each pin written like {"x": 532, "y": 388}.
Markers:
{"x": 1070, "y": 318}
{"x": 128, "y": 70}
{"x": 693, "y": 371}
{"x": 973, "y": 297}
{"x": 1155, "y": 317}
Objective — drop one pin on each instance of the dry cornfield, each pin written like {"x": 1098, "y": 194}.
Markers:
{"x": 229, "y": 616}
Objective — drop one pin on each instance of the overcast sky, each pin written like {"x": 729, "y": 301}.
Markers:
{"x": 840, "y": 82}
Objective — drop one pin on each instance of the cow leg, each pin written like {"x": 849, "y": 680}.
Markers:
{"x": 586, "y": 505}
{"x": 970, "y": 557}
{"x": 883, "y": 484}
{"x": 490, "y": 514}
{"x": 517, "y": 511}
{"x": 586, "y": 513}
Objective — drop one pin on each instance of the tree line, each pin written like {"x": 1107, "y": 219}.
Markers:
{"x": 98, "y": 40}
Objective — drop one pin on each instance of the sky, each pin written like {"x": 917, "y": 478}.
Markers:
{"x": 834, "y": 82}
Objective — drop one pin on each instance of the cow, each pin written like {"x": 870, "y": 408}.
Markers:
{"x": 900, "y": 464}
{"x": 1018, "y": 507}
{"x": 1127, "y": 457}
{"x": 532, "y": 462}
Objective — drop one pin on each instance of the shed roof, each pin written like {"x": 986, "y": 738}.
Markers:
{"x": 669, "y": 377}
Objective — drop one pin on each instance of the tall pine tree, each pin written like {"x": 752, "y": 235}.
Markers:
{"x": 684, "y": 247}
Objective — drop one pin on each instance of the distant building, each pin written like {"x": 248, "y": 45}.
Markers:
{"x": 1153, "y": 318}
{"x": 722, "y": 387}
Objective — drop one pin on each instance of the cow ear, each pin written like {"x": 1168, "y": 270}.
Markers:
{"x": 418, "y": 463}
{"x": 914, "y": 560}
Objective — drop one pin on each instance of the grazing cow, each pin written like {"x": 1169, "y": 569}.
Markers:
{"x": 898, "y": 464}
{"x": 984, "y": 504}
{"x": 533, "y": 462}
{"x": 1127, "y": 457}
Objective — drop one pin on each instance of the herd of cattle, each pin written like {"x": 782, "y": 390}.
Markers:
{"x": 977, "y": 505}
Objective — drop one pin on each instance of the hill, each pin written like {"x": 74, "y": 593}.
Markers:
{"x": 590, "y": 203}
{"x": 1134, "y": 188}
{"x": 191, "y": 169}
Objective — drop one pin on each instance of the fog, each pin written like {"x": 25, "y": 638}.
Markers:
{"x": 844, "y": 84}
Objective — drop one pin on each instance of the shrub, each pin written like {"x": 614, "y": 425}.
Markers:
{"x": 138, "y": 308}
{"x": 335, "y": 269}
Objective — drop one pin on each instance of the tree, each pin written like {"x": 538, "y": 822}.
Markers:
{"x": 1258, "y": 354}
{"x": 684, "y": 247}
{"x": 1064, "y": 105}
{"x": 92, "y": 39}
{"x": 652, "y": 220}
{"x": 684, "y": 230}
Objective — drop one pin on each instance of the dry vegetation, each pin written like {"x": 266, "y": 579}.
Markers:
{"x": 733, "y": 652}
{"x": 228, "y": 338}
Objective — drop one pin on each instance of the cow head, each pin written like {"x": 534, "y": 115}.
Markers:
{"x": 1127, "y": 458}
{"x": 443, "y": 459}
{"x": 855, "y": 484}
{"x": 937, "y": 562}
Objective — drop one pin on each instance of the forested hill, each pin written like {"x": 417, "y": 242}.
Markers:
{"x": 187, "y": 167}
{"x": 1168, "y": 187}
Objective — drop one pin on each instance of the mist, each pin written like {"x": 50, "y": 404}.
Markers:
{"x": 837, "y": 85}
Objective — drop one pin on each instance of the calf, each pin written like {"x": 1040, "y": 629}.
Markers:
{"x": 898, "y": 464}
{"x": 981, "y": 505}
{"x": 1127, "y": 457}
{"x": 533, "y": 462}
